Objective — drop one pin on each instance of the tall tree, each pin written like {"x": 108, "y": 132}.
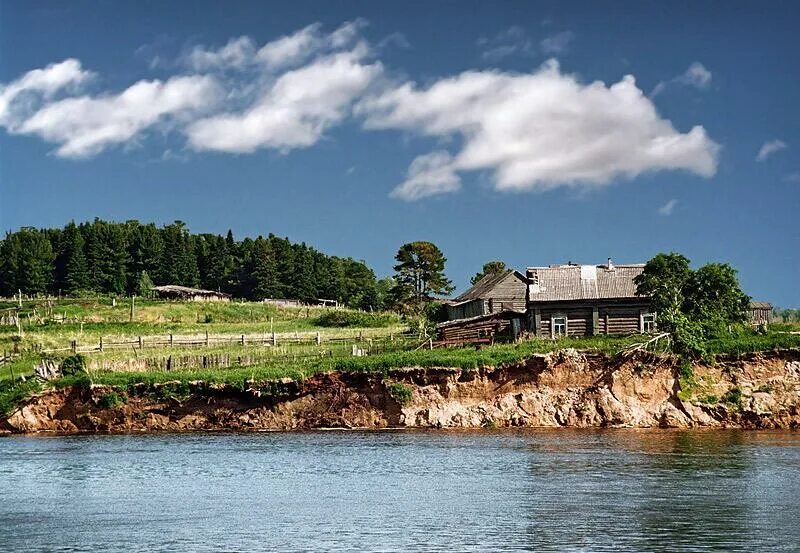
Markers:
{"x": 490, "y": 268}
{"x": 419, "y": 275}
{"x": 264, "y": 274}
{"x": 75, "y": 275}
{"x": 26, "y": 262}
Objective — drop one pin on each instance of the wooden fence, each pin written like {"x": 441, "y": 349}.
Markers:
{"x": 207, "y": 340}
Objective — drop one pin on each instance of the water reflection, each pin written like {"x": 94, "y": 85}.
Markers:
{"x": 604, "y": 490}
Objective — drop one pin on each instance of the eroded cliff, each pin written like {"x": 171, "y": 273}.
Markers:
{"x": 560, "y": 389}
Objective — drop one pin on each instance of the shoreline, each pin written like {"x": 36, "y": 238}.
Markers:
{"x": 565, "y": 389}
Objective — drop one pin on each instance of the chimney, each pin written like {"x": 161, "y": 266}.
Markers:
{"x": 610, "y": 265}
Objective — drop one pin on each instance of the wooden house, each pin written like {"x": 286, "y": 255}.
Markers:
{"x": 185, "y": 293}
{"x": 760, "y": 313}
{"x": 585, "y": 300}
{"x": 501, "y": 326}
{"x": 491, "y": 294}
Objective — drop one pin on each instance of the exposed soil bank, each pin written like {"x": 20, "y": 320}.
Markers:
{"x": 561, "y": 389}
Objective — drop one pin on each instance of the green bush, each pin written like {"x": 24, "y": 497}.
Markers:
{"x": 73, "y": 364}
{"x": 400, "y": 392}
{"x": 733, "y": 397}
{"x": 341, "y": 318}
{"x": 112, "y": 400}
{"x": 13, "y": 392}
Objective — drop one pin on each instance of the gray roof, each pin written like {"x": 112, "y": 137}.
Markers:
{"x": 583, "y": 282}
{"x": 484, "y": 286}
{"x": 760, "y": 305}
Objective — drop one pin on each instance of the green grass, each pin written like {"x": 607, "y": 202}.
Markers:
{"x": 749, "y": 342}
{"x": 89, "y": 320}
{"x": 13, "y": 392}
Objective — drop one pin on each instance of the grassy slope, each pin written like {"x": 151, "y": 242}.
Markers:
{"x": 100, "y": 318}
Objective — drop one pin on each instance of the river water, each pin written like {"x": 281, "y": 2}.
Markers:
{"x": 564, "y": 490}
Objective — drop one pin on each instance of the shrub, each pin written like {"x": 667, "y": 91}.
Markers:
{"x": 399, "y": 392}
{"x": 73, "y": 364}
{"x": 733, "y": 397}
{"x": 13, "y": 392}
{"x": 112, "y": 400}
{"x": 342, "y": 318}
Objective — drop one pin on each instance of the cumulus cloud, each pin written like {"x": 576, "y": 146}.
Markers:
{"x": 294, "y": 111}
{"x": 667, "y": 209}
{"x": 540, "y": 130}
{"x": 429, "y": 175}
{"x": 19, "y": 97}
{"x": 770, "y": 148}
{"x": 86, "y": 125}
{"x": 236, "y": 54}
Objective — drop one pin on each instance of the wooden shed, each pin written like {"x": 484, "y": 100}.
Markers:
{"x": 501, "y": 326}
{"x": 760, "y": 313}
{"x": 491, "y": 294}
{"x": 585, "y": 300}
{"x": 185, "y": 293}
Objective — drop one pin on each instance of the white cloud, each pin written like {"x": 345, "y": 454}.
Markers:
{"x": 770, "y": 148}
{"x": 667, "y": 209}
{"x": 86, "y": 125}
{"x": 18, "y": 98}
{"x": 236, "y": 54}
{"x": 294, "y": 111}
{"x": 697, "y": 76}
{"x": 428, "y": 175}
{"x": 513, "y": 40}
{"x": 792, "y": 177}
{"x": 286, "y": 51}
{"x": 558, "y": 43}
{"x": 541, "y": 130}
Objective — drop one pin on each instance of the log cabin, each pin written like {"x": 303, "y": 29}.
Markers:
{"x": 586, "y": 300}
{"x": 491, "y": 294}
{"x": 489, "y": 328}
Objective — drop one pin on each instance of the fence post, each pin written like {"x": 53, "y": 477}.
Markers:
{"x": 170, "y": 339}
{"x": 206, "y": 338}
{"x": 319, "y": 338}
{"x": 141, "y": 343}
{"x": 74, "y": 346}
{"x": 274, "y": 339}
{"x": 430, "y": 343}
{"x": 101, "y": 343}
{"x": 242, "y": 339}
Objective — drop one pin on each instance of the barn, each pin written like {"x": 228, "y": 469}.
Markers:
{"x": 491, "y": 294}
{"x": 586, "y": 300}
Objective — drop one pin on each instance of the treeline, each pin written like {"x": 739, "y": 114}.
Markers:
{"x": 127, "y": 258}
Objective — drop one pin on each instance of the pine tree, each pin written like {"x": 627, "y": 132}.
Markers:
{"x": 75, "y": 270}
{"x": 264, "y": 274}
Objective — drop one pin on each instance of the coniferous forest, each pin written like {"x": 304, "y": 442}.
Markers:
{"x": 127, "y": 258}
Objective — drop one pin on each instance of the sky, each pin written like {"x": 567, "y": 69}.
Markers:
{"x": 529, "y": 132}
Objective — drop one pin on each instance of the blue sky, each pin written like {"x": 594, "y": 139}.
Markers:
{"x": 496, "y": 130}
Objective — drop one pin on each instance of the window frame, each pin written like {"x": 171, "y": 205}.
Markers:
{"x": 644, "y": 323}
{"x": 553, "y": 332}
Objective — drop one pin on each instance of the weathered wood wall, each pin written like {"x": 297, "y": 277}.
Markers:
{"x": 588, "y": 319}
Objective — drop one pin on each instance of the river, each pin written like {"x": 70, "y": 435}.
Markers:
{"x": 556, "y": 490}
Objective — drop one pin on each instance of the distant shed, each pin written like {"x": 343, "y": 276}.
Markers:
{"x": 185, "y": 293}
{"x": 491, "y": 294}
{"x": 502, "y": 326}
{"x": 760, "y": 312}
